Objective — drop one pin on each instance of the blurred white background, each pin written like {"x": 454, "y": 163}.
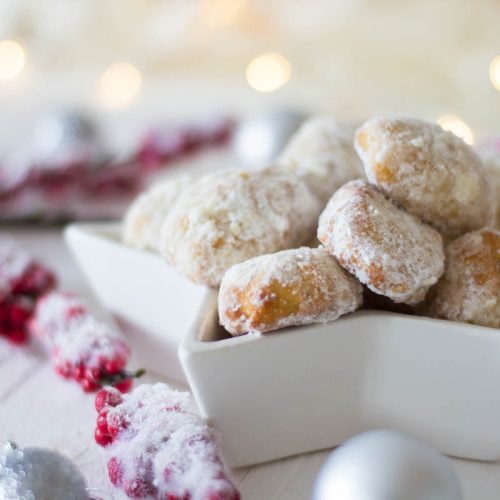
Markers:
{"x": 353, "y": 58}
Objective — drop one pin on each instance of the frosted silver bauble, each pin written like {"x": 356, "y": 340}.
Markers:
{"x": 65, "y": 136}
{"x": 39, "y": 474}
{"x": 386, "y": 465}
{"x": 259, "y": 140}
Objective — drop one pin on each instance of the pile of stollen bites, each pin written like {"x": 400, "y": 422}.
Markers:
{"x": 404, "y": 212}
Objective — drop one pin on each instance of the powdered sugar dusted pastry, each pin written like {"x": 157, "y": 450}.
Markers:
{"x": 145, "y": 216}
{"x": 469, "y": 290}
{"x": 490, "y": 154}
{"x": 321, "y": 153}
{"x": 228, "y": 217}
{"x": 389, "y": 250}
{"x": 430, "y": 172}
{"x": 292, "y": 287}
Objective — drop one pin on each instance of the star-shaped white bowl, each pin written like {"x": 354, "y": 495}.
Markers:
{"x": 303, "y": 388}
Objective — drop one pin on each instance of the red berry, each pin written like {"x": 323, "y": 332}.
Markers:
{"x": 115, "y": 471}
{"x": 79, "y": 371}
{"x": 101, "y": 438}
{"x": 125, "y": 385}
{"x": 138, "y": 487}
{"x": 116, "y": 424}
{"x": 18, "y": 313}
{"x": 35, "y": 281}
{"x": 102, "y": 422}
{"x": 118, "y": 362}
{"x": 76, "y": 311}
{"x": 89, "y": 385}
{"x": 171, "y": 496}
{"x": 4, "y": 313}
{"x": 93, "y": 374}
{"x": 18, "y": 336}
{"x": 107, "y": 397}
{"x": 64, "y": 368}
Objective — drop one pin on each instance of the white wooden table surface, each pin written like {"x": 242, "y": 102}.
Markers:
{"x": 38, "y": 408}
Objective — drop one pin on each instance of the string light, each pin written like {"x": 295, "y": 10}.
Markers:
{"x": 119, "y": 84}
{"x": 12, "y": 59}
{"x": 268, "y": 72}
{"x": 458, "y": 127}
{"x": 495, "y": 72}
{"x": 220, "y": 13}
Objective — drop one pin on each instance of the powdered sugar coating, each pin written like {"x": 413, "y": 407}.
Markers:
{"x": 228, "y": 217}
{"x": 82, "y": 348}
{"x": 14, "y": 261}
{"x": 322, "y": 154}
{"x": 469, "y": 290}
{"x": 292, "y": 287}
{"x": 188, "y": 466}
{"x": 165, "y": 448}
{"x": 89, "y": 342}
{"x": 145, "y": 216}
{"x": 490, "y": 154}
{"x": 389, "y": 250}
{"x": 428, "y": 171}
{"x": 53, "y": 314}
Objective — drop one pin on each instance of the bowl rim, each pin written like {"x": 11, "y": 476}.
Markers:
{"x": 192, "y": 344}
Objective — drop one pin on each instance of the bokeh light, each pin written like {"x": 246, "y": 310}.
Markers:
{"x": 12, "y": 59}
{"x": 220, "y": 13}
{"x": 119, "y": 84}
{"x": 457, "y": 126}
{"x": 268, "y": 72}
{"x": 495, "y": 72}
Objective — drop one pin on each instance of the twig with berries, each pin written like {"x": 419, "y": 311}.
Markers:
{"x": 159, "y": 446}
{"x": 82, "y": 348}
{"x": 22, "y": 281}
{"x": 80, "y": 177}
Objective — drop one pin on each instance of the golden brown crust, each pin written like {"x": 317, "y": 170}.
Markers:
{"x": 389, "y": 250}
{"x": 292, "y": 287}
{"x": 427, "y": 171}
{"x": 469, "y": 290}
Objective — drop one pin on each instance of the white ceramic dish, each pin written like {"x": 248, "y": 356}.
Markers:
{"x": 303, "y": 388}
{"x": 155, "y": 305}
{"x": 307, "y": 388}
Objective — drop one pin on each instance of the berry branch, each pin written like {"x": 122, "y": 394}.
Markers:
{"x": 82, "y": 348}
{"x": 159, "y": 446}
{"x": 22, "y": 282}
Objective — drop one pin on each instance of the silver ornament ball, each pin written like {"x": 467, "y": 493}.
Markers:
{"x": 39, "y": 474}
{"x": 259, "y": 140}
{"x": 65, "y": 135}
{"x": 386, "y": 465}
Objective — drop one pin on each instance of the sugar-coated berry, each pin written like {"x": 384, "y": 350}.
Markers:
{"x": 107, "y": 396}
{"x": 115, "y": 471}
{"x": 138, "y": 488}
{"x": 116, "y": 423}
{"x": 102, "y": 438}
{"x": 82, "y": 348}
{"x": 102, "y": 422}
{"x": 161, "y": 447}
{"x": 22, "y": 281}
